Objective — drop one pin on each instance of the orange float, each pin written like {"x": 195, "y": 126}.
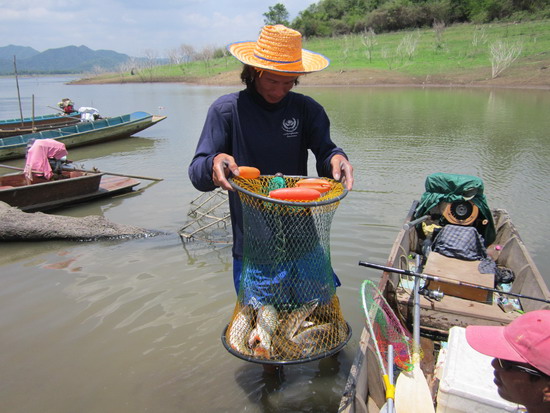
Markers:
{"x": 295, "y": 194}
{"x": 321, "y": 185}
{"x": 248, "y": 172}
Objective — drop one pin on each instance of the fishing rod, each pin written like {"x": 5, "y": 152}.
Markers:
{"x": 446, "y": 280}
{"x": 62, "y": 111}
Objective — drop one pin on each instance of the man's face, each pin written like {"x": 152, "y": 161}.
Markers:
{"x": 273, "y": 88}
{"x": 516, "y": 386}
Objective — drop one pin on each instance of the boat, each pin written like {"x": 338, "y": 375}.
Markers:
{"x": 83, "y": 133}
{"x": 21, "y": 126}
{"x": 446, "y": 307}
{"x": 71, "y": 187}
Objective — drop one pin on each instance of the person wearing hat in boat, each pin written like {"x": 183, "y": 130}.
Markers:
{"x": 521, "y": 352}
{"x": 67, "y": 106}
{"x": 266, "y": 125}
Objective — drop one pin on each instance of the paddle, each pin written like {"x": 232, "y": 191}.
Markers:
{"x": 388, "y": 407}
{"x": 412, "y": 394}
{"x": 67, "y": 168}
{"x": 447, "y": 280}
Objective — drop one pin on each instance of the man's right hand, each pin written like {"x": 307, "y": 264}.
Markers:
{"x": 222, "y": 166}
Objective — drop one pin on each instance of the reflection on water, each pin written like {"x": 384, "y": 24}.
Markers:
{"x": 135, "y": 326}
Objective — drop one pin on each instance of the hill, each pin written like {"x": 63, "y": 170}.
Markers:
{"x": 463, "y": 54}
{"x": 22, "y": 52}
{"x": 64, "y": 60}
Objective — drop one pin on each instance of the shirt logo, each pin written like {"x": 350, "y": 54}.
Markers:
{"x": 290, "y": 127}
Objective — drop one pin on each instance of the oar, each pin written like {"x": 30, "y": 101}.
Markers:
{"x": 412, "y": 393}
{"x": 67, "y": 168}
{"x": 446, "y": 280}
{"x": 388, "y": 407}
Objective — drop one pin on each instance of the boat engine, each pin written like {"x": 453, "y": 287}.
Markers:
{"x": 460, "y": 212}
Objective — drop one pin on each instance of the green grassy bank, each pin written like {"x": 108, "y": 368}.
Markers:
{"x": 460, "y": 54}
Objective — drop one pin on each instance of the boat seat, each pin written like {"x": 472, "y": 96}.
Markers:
{"x": 461, "y": 305}
{"x": 455, "y": 269}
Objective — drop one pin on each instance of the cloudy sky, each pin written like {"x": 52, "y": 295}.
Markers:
{"x": 134, "y": 26}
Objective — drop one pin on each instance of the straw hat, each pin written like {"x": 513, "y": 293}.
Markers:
{"x": 279, "y": 49}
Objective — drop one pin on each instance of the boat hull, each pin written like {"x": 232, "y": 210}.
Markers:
{"x": 364, "y": 391}
{"x": 13, "y": 127}
{"x": 84, "y": 133}
{"x": 46, "y": 195}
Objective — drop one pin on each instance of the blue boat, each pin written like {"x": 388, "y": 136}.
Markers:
{"x": 82, "y": 133}
{"x": 20, "y": 126}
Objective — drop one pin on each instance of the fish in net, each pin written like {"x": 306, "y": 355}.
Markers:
{"x": 287, "y": 310}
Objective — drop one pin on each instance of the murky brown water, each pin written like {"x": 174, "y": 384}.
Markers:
{"x": 134, "y": 326}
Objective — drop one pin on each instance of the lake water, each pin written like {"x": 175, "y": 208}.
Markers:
{"x": 134, "y": 326}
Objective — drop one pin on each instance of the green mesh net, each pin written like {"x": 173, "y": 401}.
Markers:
{"x": 287, "y": 309}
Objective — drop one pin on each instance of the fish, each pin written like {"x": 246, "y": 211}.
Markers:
{"x": 318, "y": 338}
{"x": 289, "y": 325}
{"x": 260, "y": 339}
{"x": 296, "y": 319}
{"x": 240, "y": 329}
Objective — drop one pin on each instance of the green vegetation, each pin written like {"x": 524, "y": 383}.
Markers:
{"x": 330, "y": 17}
{"x": 427, "y": 51}
{"x": 420, "y": 52}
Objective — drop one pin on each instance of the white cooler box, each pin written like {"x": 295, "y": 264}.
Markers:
{"x": 466, "y": 383}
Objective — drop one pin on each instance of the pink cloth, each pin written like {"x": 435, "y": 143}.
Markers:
{"x": 37, "y": 157}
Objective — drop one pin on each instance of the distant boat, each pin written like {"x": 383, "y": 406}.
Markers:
{"x": 74, "y": 187}
{"x": 21, "y": 126}
{"x": 83, "y": 133}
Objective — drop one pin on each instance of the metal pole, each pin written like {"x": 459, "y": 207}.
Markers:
{"x": 446, "y": 280}
{"x": 17, "y": 83}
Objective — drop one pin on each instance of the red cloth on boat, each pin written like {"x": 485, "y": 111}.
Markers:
{"x": 38, "y": 155}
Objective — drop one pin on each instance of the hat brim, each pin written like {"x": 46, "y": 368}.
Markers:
{"x": 490, "y": 340}
{"x": 311, "y": 61}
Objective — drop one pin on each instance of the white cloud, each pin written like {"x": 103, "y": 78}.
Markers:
{"x": 134, "y": 26}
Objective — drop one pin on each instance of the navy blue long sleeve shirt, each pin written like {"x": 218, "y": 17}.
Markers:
{"x": 271, "y": 137}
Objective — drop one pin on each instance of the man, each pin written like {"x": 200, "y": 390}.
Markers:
{"x": 522, "y": 358}
{"x": 266, "y": 125}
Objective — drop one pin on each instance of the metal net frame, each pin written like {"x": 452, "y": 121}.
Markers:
{"x": 287, "y": 310}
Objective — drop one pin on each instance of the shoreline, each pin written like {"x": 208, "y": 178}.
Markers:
{"x": 514, "y": 78}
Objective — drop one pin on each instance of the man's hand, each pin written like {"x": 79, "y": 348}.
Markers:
{"x": 342, "y": 170}
{"x": 223, "y": 165}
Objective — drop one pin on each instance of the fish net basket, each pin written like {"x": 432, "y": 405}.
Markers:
{"x": 287, "y": 310}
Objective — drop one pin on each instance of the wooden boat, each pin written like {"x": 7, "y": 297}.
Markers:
{"x": 18, "y": 126}
{"x": 84, "y": 133}
{"x": 364, "y": 391}
{"x": 71, "y": 188}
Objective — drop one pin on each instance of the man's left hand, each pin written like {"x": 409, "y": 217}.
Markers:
{"x": 342, "y": 170}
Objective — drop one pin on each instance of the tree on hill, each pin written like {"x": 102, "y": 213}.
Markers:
{"x": 277, "y": 14}
{"x": 339, "y": 17}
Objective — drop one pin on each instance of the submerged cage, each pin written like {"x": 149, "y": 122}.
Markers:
{"x": 287, "y": 310}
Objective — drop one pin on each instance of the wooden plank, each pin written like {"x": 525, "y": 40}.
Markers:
{"x": 453, "y": 311}
{"x": 461, "y": 270}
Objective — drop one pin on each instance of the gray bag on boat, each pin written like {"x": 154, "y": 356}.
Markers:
{"x": 461, "y": 242}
